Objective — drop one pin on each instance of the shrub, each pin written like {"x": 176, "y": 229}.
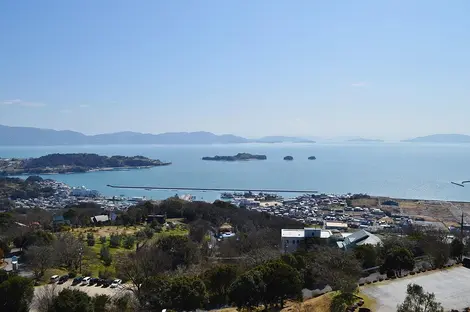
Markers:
{"x": 103, "y": 239}
{"x": 413, "y": 273}
{"x": 128, "y": 241}
{"x": 114, "y": 240}
{"x": 72, "y": 274}
{"x": 106, "y": 274}
{"x": 106, "y": 256}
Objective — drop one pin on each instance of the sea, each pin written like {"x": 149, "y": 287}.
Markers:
{"x": 400, "y": 170}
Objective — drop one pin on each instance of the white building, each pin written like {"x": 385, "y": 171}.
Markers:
{"x": 84, "y": 192}
{"x": 292, "y": 238}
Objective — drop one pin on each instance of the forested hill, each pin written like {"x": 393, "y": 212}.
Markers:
{"x": 79, "y": 162}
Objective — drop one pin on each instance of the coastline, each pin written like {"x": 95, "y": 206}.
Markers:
{"x": 125, "y": 168}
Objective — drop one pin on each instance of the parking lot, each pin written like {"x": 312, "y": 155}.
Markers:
{"x": 90, "y": 290}
{"x": 451, "y": 288}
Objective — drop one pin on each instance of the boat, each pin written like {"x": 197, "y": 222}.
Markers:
{"x": 226, "y": 195}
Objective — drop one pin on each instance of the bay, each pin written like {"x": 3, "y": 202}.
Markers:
{"x": 402, "y": 170}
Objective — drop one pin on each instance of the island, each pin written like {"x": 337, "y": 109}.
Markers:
{"x": 441, "y": 138}
{"x": 74, "y": 163}
{"x": 238, "y": 157}
{"x": 312, "y": 158}
{"x": 366, "y": 140}
{"x": 288, "y": 158}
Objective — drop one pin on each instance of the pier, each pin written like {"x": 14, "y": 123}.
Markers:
{"x": 148, "y": 188}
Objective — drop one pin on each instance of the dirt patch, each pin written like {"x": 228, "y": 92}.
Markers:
{"x": 108, "y": 230}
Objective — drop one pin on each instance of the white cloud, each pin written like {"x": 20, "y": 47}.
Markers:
{"x": 18, "y": 102}
{"x": 358, "y": 84}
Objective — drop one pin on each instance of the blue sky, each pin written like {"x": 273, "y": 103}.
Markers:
{"x": 385, "y": 69}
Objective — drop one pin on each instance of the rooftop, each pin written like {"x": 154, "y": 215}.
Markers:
{"x": 292, "y": 233}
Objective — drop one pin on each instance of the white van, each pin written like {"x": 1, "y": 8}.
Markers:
{"x": 54, "y": 278}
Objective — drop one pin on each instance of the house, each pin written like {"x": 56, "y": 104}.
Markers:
{"x": 336, "y": 226}
{"x": 362, "y": 237}
{"x": 59, "y": 220}
{"x": 159, "y": 218}
{"x": 100, "y": 219}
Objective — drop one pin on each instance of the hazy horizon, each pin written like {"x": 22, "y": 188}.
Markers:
{"x": 387, "y": 70}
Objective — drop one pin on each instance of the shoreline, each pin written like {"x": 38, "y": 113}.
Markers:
{"x": 126, "y": 168}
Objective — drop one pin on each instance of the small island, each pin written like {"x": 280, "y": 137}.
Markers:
{"x": 312, "y": 158}
{"x": 238, "y": 157}
{"x": 288, "y": 158}
{"x": 74, "y": 163}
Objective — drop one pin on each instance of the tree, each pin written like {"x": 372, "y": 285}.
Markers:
{"x": 188, "y": 293}
{"x": 44, "y": 298}
{"x": 2, "y": 255}
{"x": 367, "y": 254}
{"x": 69, "y": 250}
{"x": 40, "y": 259}
{"x": 128, "y": 241}
{"x": 247, "y": 291}
{"x": 72, "y": 300}
{"x": 90, "y": 239}
{"x": 456, "y": 248}
{"x": 399, "y": 259}
{"x": 16, "y": 293}
{"x": 114, "y": 240}
{"x": 218, "y": 280}
{"x": 282, "y": 282}
{"x": 100, "y": 302}
{"x": 106, "y": 256}
{"x": 419, "y": 301}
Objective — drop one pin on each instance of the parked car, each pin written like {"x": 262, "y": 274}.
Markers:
{"x": 116, "y": 283}
{"x": 99, "y": 282}
{"x": 93, "y": 281}
{"x": 63, "y": 279}
{"x": 54, "y": 278}
{"x": 77, "y": 280}
{"x": 107, "y": 283}
{"x": 85, "y": 280}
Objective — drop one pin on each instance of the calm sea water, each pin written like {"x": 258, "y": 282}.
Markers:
{"x": 404, "y": 170}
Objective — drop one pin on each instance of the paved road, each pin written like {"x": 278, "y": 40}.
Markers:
{"x": 450, "y": 286}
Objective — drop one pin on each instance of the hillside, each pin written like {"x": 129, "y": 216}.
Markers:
{"x": 441, "y": 138}
{"x": 68, "y": 163}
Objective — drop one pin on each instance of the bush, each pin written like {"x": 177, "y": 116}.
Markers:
{"x": 106, "y": 274}
{"x": 72, "y": 274}
{"x": 103, "y": 239}
{"x": 114, "y": 240}
{"x": 106, "y": 256}
{"x": 128, "y": 241}
{"x": 413, "y": 273}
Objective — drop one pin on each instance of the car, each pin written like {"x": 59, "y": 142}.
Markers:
{"x": 77, "y": 280}
{"x": 107, "y": 283}
{"x": 116, "y": 283}
{"x": 54, "y": 278}
{"x": 63, "y": 279}
{"x": 86, "y": 280}
{"x": 92, "y": 281}
{"x": 99, "y": 282}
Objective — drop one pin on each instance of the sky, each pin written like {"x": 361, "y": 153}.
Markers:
{"x": 379, "y": 69}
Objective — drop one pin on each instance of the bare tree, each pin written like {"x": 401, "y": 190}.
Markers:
{"x": 69, "y": 250}
{"x": 40, "y": 258}
{"x": 44, "y": 298}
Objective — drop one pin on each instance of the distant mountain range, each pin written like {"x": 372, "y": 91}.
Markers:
{"x": 441, "y": 138}
{"x": 365, "y": 140}
{"x": 36, "y": 136}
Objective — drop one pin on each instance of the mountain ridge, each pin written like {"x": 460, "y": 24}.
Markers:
{"x": 441, "y": 138}
{"x": 39, "y": 136}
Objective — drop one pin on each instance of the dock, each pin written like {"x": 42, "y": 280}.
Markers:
{"x": 148, "y": 188}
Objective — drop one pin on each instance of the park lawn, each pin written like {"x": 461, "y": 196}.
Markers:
{"x": 107, "y": 230}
